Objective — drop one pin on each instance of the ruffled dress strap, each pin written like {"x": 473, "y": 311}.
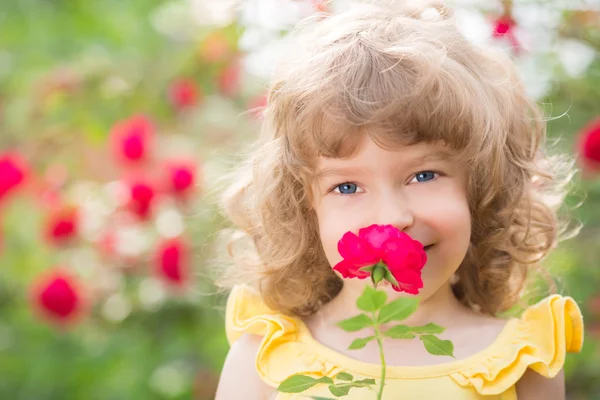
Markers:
{"x": 282, "y": 351}
{"x": 544, "y": 334}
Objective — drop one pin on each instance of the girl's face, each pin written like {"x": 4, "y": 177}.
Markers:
{"x": 415, "y": 188}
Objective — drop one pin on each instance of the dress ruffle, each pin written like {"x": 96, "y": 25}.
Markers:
{"x": 540, "y": 340}
{"x": 246, "y": 313}
{"x": 544, "y": 334}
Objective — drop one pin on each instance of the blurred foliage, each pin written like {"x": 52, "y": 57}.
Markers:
{"x": 68, "y": 71}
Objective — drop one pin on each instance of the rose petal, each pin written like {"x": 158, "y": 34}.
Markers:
{"x": 357, "y": 251}
{"x": 395, "y": 253}
{"x": 349, "y": 270}
{"x": 375, "y": 235}
{"x": 409, "y": 281}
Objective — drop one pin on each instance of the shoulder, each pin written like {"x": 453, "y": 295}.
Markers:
{"x": 532, "y": 385}
{"x": 239, "y": 377}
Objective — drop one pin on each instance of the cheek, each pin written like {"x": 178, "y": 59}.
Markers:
{"x": 333, "y": 223}
{"x": 447, "y": 211}
{"x": 330, "y": 232}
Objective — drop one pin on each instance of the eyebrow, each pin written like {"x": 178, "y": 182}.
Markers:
{"x": 438, "y": 155}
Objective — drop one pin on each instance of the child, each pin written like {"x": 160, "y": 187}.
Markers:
{"x": 384, "y": 114}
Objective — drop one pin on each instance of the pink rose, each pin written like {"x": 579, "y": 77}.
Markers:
{"x": 13, "y": 173}
{"x": 589, "y": 146}
{"x": 62, "y": 225}
{"x": 183, "y": 93}
{"x": 131, "y": 139}
{"x": 181, "y": 176}
{"x": 172, "y": 262}
{"x": 142, "y": 196}
{"x": 375, "y": 245}
{"x": 58, "y": 297}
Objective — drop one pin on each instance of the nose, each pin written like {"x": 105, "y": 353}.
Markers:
{"x": 394, "y": 209}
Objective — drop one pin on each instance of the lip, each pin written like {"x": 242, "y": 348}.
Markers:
{"x": 428, "y": 247}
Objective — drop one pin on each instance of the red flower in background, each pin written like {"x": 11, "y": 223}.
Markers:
{"x": 172, "y": 261}
{"x": 131, "y": 139}
{"x": 58, "y": 297}
{"x": 62, "y": 225}
{"x": 403, "y": 256}
{"x": 183, "y": 94}
{"x": 13, "y": 173}
{"x": 229, "y": 79}
{"x": 181, "y": 176}
{"x": 589, "y": 146}
{"x": 141, "y": 198}
{"x": 505, "y": 27}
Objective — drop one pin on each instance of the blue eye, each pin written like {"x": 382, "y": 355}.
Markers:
{"x": 346, "y": 188}
{"x": 425, "y": 175}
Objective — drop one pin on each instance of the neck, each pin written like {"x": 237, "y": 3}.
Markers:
{"x": 441, "y": 307}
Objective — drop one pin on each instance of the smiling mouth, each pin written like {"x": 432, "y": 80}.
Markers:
{"x": 427, "y": 247}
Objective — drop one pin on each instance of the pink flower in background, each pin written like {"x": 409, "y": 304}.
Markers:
{"x": 229, "y": 79}
{"x": 13, "y": 173}
{"x": 320, "y": 5}
{"x": 106, "y": 244}
{"x": 141, "y": 198}
{"x": 504, "y": 27}
{"x": 183, "y": 93}
{"x": 403, "y": 256}
{"x": 181, "y": 176}
{"x": 58, "y": 297}
{"x": 257, "y": 106}
{"x": 62, "y": 225}
{"x": 589, "y": 146}
{"x": 171, "y": 261}
{"x": 215, "y": 48}
{"x": 131, "y": 139}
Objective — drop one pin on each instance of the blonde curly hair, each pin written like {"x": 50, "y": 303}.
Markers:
{"x": 401, "y": 72}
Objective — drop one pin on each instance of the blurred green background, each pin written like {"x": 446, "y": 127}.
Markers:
{"x": 71, "y": 70}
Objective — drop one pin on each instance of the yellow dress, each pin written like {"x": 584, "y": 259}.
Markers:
{"x": 539, "y": 340}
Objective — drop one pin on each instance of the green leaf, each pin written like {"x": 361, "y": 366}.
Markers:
{"x": 360, "y": 343}
{"x": 400, "y": 332}
{"x": 340, "y": 390}
{"x": 437, "y": 346}
{"x": 325, "y": 379}
{"x": 344, "y": 376}
{"x": 364, "y": 382}
{"x": 371, "y": 300}
{"x": 398, "y": 310}
{"x": 297, "y": 383}
{"x": 356, "y": 323}
{"x": 321, "y": 398}
{"x": 431, "y": 329}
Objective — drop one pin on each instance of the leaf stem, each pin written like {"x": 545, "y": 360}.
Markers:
{"x": 381, "y": 355}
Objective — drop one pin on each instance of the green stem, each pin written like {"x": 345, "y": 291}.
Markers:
{"x": 383, "y": 367}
